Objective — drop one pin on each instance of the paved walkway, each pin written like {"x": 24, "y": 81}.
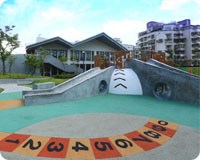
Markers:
{"x": 13, "y": 87}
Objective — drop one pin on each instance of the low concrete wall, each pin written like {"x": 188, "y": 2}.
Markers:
{"x": 166, "y": 83}
{"x": 90, "y": 85}
{"x": 46, "y": 85}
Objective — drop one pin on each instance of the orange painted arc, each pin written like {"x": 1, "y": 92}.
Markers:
{"x": 127, "y": 144}
{"x": 6, "y": 104}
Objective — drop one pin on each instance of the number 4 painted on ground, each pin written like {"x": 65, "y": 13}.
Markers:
{"x": 80, "y": 146}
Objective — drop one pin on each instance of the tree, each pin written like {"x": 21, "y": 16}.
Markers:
{"x": 63, "y": 59}
{"x": 36, "y": 61}
{"x": 74, "y": 61}
{"x": 11, "y": 60}
{"x": 8, "y": 43}
{"x": 41, "y": 58}
{"x": 32, "y": 61}
{"x": 171, "y": 54}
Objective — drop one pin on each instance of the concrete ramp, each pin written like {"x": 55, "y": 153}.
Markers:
{"x": 125, "y": 81}
{"x": 166, "y": 82}
{"x": 92, "y": 82}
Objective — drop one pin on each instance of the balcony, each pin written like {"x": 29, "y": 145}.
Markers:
{"x": 196, "y": 41}
{"x": 179, "y": 53}
{"x": 179, "y": 57}
{"x": 179, "y": 49}
{"x": 168, "y": 41}
{"x": 196, "y": 36}
{"x": 195, "y": 33}
{"x": 178, "y": 36}
{"x": 195, "y": 45}
{"x": 151, "y": 42}
{"x": 168, "y": 48}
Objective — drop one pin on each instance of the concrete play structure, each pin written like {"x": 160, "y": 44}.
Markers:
{"x": 150, "y": 78}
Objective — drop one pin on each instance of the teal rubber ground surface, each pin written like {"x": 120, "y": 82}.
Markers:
{"x": 14, "y": 119}
{"x": 14, "y": 95}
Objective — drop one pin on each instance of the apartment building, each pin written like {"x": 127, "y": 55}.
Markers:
{"x": 179, "y": 40}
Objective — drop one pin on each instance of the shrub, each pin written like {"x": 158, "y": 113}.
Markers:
{"x": 18, "y": 76}
{"x": 65, "y": 76}
{"x": 1, "y": 90}
{"x": 56, "y": 81}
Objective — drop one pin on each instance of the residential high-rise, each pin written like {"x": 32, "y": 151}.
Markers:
{"x": 179, "y": 40}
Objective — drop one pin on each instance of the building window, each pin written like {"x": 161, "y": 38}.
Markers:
{"x": 54, "y": 53}
{"x": 61, "y": 53}
{"x": 88, "y": 56}
{"x": 82, "y": 56}
{"x": 92, "y": 55}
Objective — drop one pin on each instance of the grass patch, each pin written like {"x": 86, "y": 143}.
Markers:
{"x": 192, "y": 70}
{"x": 55, "y": 80}
{"x": 19, "y": 76}
{"x": 1, "y": 90}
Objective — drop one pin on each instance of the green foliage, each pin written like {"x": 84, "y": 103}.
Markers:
{"x": 73, "y": 59}
{"x": 56, "y": 81}
{"x": 32, "y": 61}
{"x": 63, "y": 59}
{"x": 18, "y": 76}
{"x": 8, "y": 43}
{"x": 65, "y": 76}
{"x": 196, "y": 71}
{"x": 36, "y": 61}
{"x": 1, "y": 90}
{"x": 41, "y": 57}
{"x": 192, "y": 70}
{"x": 11, "y": 60}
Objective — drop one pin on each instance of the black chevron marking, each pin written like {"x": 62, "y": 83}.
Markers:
{"x": 119, "y": 70}
{"x": 120, "y": 85}
{"x": 119, "y": 73}
{"x": 119, "y": 78}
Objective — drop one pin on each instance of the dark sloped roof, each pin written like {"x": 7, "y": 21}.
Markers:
{"x": 57, "y": 40}
{"x": 102, "y": 37}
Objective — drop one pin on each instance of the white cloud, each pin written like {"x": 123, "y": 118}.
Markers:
{"x": 1, "y": 2}
{"x": 70, "y": 34}
{"x": 126, "y": 30}
{"x": 20, "y": 50}
{"x": 198, "y": 2}
{"x": 56, "y": 14}
{"x": 173, "y": 4}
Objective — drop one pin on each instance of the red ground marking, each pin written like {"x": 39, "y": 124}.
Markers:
{"x": 168, "y": 132}
{"x": 11, "y": 142}
{"x": 98, "y": 147}
{"x": 103, "y": 148}
{"x": 55, "y": 148}
{"x": 141, "y": 140}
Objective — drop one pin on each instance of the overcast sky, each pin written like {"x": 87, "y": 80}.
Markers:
{"x": 79, "y": 19}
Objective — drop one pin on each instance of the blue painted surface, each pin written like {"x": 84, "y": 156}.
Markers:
{"x": 182, "y": 113}
{"x": 13, "y": 95}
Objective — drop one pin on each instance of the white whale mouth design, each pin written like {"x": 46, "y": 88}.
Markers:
{"x": 125, "y": 81}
